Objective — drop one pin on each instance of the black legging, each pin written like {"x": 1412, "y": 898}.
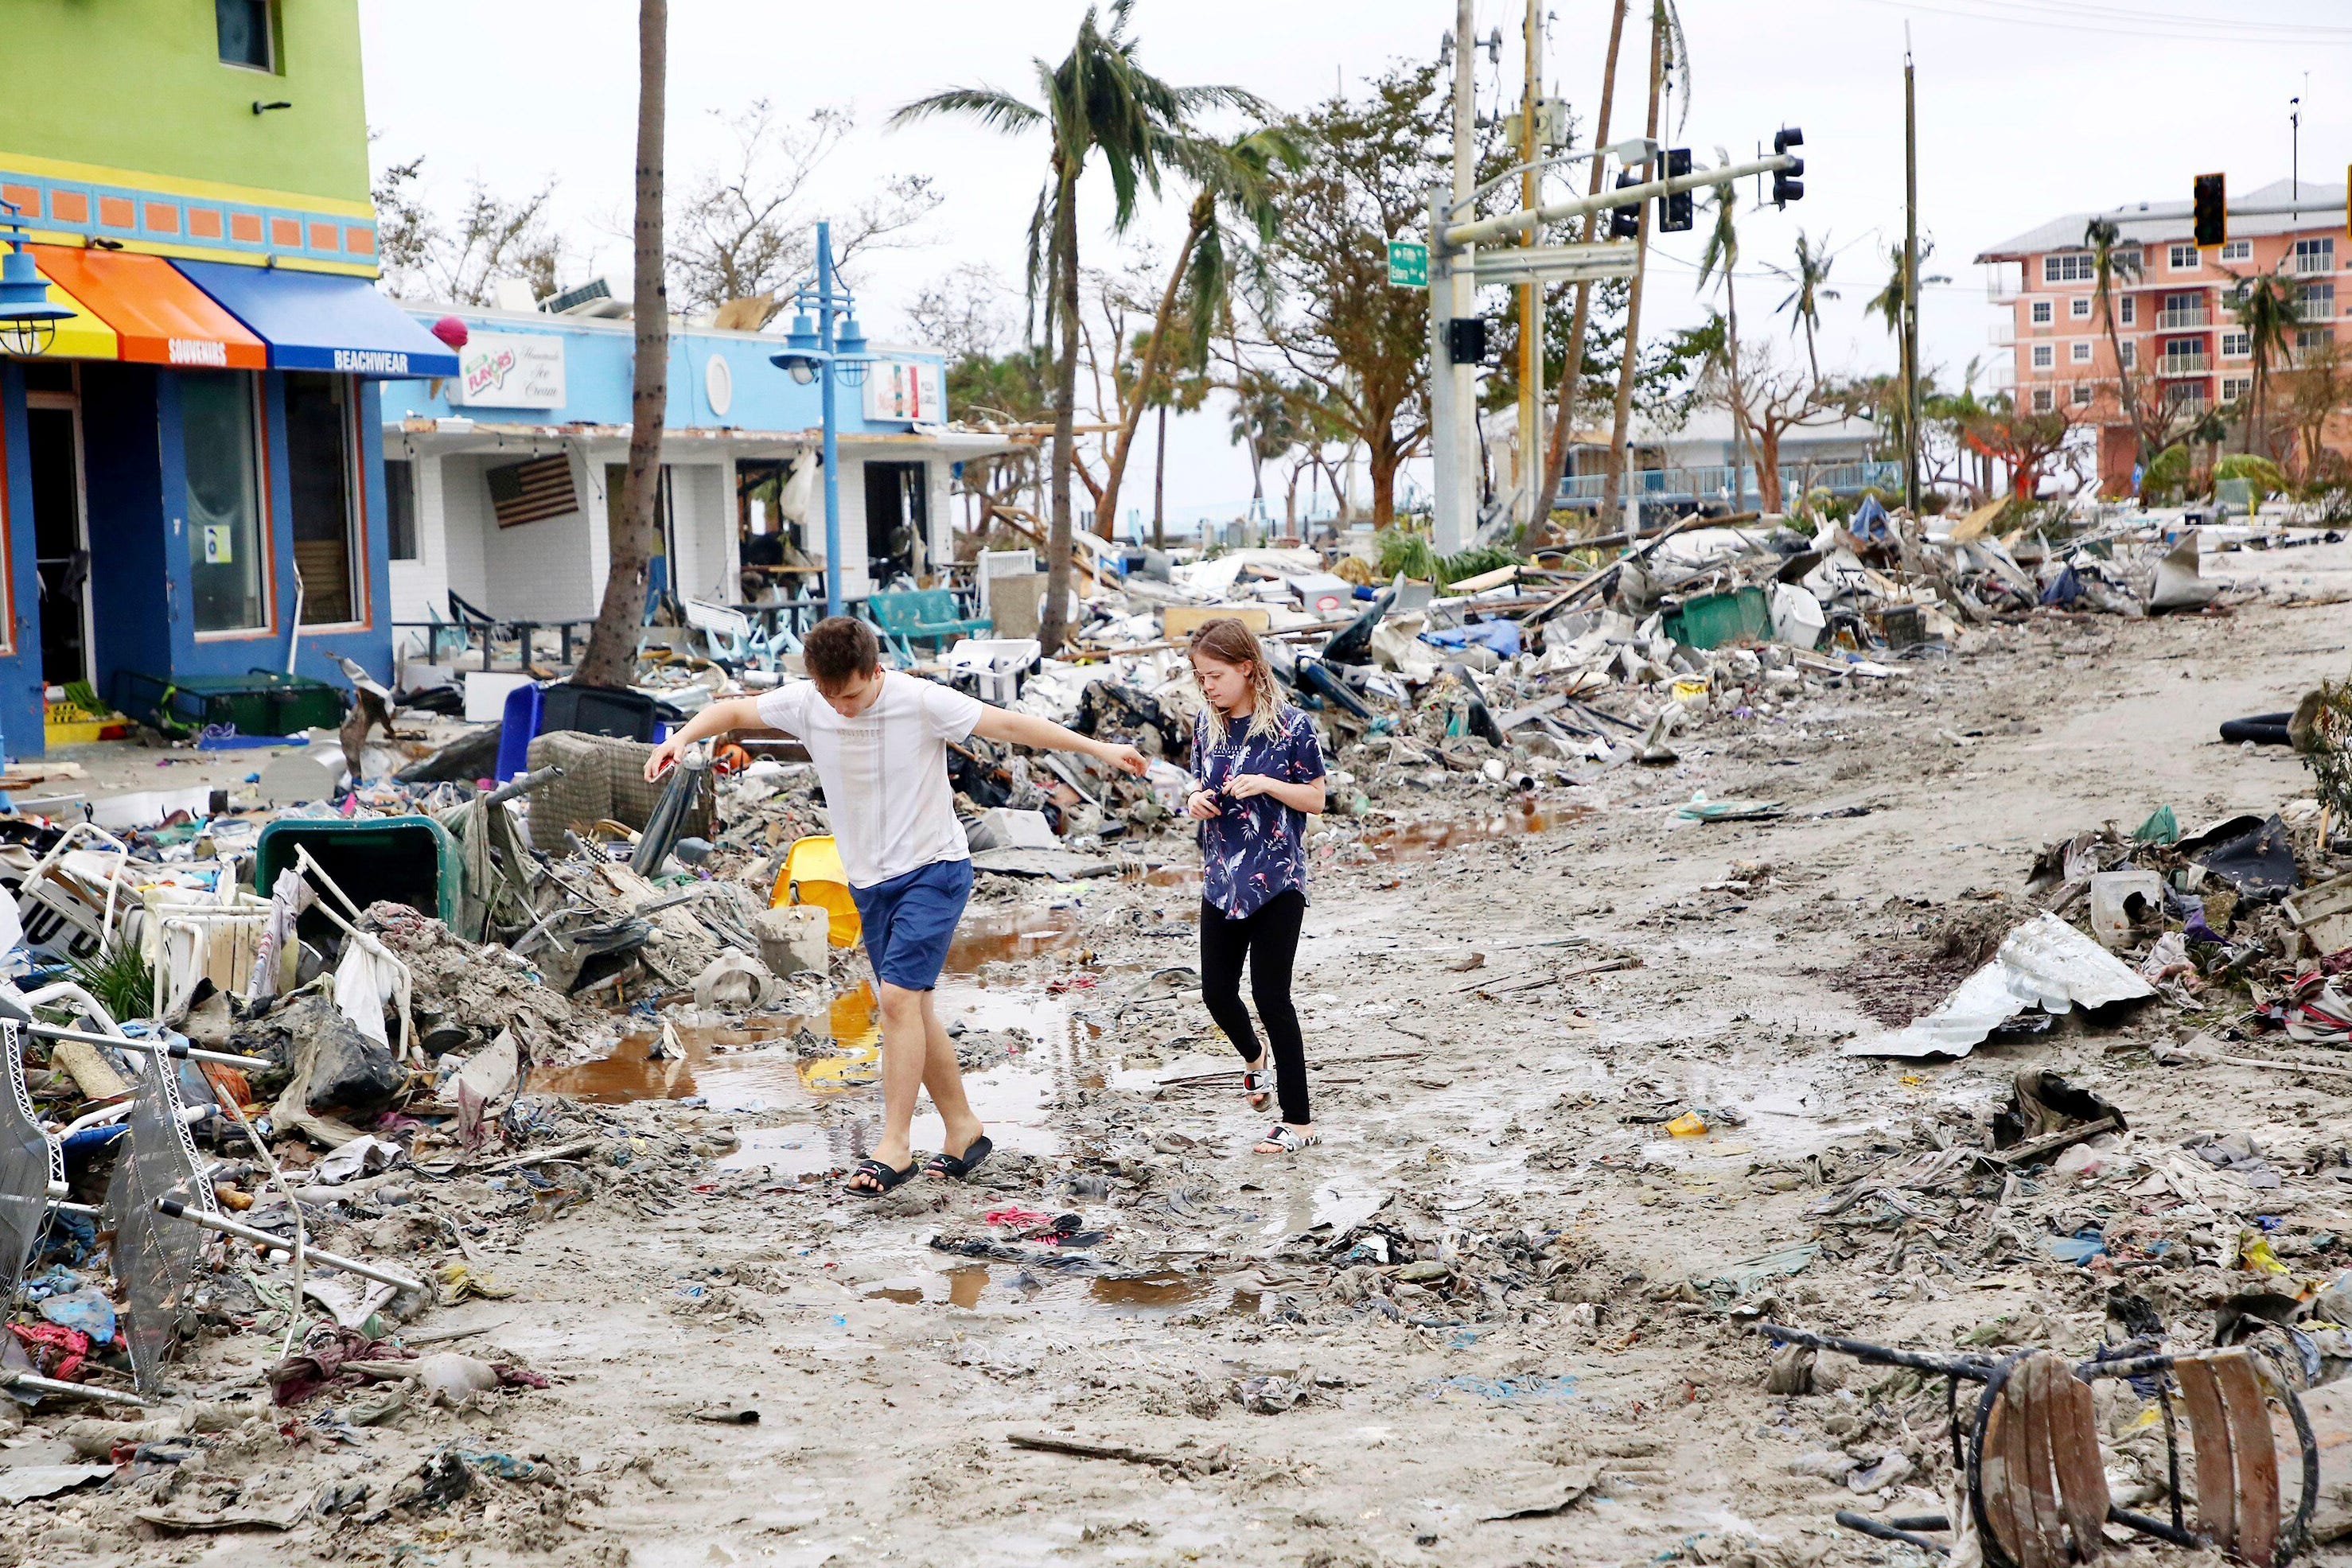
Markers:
{"x": 1269, "y": 940}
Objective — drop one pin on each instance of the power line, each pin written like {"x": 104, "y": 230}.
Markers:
{"x": 2120, "y": 22}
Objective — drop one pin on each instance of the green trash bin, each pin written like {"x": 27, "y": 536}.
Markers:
{"x": 1711, "y": 619}
{"x": 401, "y": 860}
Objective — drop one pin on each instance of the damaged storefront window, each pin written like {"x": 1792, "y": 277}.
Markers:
{"x": 224, "y": 500}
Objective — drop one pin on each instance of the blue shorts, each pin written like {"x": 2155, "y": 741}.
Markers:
{"x": 910, "y": 920}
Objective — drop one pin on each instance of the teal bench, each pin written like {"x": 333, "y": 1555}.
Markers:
{"x": 922, "y": 615}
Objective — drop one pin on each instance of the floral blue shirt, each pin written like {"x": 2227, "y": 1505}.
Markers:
{"x": 1256, "y": 848}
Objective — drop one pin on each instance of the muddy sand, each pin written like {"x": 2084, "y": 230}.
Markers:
{"x": 1490, "y": 1320}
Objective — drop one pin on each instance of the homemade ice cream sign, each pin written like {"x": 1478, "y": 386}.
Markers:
{"x": 907, "y": 390}
{"x": 509, "y": 369}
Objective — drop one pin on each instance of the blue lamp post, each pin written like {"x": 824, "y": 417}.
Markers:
{"x": 29, "y": 320}
{"x": 818, "y": 349}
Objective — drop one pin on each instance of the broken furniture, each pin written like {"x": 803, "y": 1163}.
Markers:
{"x": 2036, "y": 1480}
{"x": 922, "y": 615}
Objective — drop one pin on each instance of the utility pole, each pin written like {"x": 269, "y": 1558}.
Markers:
{"x": 1910, "y": 287}
{"x": 1532, "y": 507}
{"x": 1571, "y": 377}
{"x": 1454, "y": 388}
{"x": 1615, "y": 486}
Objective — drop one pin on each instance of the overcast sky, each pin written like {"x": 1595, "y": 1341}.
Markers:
{"x": 2028, "y": 109}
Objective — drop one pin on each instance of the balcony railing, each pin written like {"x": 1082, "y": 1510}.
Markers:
{"x": 1714, "y": 482}
{"x": 2307, "y": 265}
{"x": 2172, "y": 320}
{"x": 2004, "y": 281}
{"x": 2184, "y": 365}
{"x": 2004, "y": 334}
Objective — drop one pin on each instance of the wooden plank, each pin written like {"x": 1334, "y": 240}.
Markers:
{"x": 1181, "y": 620}
{"x": 2002, "y": 1473}
{"x": 2032, "y": 1385}
{"x": 2255, "y": 1452}
{"x": 2209, "y": 1431}
{"x": 2082, "y": 1473}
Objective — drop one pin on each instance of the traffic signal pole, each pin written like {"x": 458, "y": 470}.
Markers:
{"x": 1454, "y": 388}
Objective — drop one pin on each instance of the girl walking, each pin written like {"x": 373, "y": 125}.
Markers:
{"x": 1257, "y": 772}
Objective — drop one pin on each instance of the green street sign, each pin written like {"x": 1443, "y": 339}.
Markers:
{"x": 1408, "y": 264}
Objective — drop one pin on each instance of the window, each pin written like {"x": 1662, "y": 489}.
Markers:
{"x": 400, "y": 506}
{"x": 2082, "y": 395}
{"x": 2318, "y": 302}
{"x": 2067, "y": 266}
{"x": 2182, "y": 258}
{"x": 2131, "y": 354}
{"x": 244, "y": 28}
{"x": 2044, "y": 356}
{"x": 2181, "y": 394}
{"x": 2316, "y": 254}
{"x": 225, "y": 534}
{"x": 2236, "y": 345}
{"x": 2042, "y": 312}
{"x": 2307, "y": 338}
{"x": 2238, "y": 250}
{"x": 2236, "y": 387}
{"x": 2079, "y": 308}
{"x": 2042, "y": 401}
{"x": 2079, "y": 351}
{"x": 2127, "y": 311}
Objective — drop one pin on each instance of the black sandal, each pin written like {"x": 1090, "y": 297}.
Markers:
{"x": 958, "y": 1167}
{"x": 886, "y": 1177}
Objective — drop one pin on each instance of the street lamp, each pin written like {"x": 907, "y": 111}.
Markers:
{"x": 28, "y": 319}
{"x": 820, "y": 348}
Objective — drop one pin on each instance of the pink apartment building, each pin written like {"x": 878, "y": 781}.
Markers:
{"x": 2173, "y": 321}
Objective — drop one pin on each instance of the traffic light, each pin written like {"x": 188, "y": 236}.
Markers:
{"x": 1465, "y": 340}
{"x": 1674, "y": 211}
{"x": 1788, "y": 184}
{"x": 1625, "y": 223}
{"x": 2209, "y": 204}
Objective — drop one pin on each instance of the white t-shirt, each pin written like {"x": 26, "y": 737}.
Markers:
{"x": 885, "y": 772}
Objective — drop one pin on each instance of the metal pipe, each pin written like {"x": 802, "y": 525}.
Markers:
{"x": 1878, "y": 1531}
{"x": 178, "y": 1210}
{"x": 177, "y": 1051}
{"x": 1486, "y": 229}
{"x": 26, "y": 1380}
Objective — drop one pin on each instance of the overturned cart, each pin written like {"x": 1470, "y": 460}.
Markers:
{"x": 2035, "y": 1478}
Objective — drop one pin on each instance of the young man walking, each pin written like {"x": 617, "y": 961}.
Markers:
{"x": 879, "y": 742}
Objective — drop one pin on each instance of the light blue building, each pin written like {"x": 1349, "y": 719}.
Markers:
{"x": 502, "y": 480}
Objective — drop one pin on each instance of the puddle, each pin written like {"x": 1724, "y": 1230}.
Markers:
{"x": 1148, "y": 1294}
{"x": 758, "y": 1066}
{"x": 1418, "y": 841}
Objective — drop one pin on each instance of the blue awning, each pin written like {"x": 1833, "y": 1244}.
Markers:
{"x": 323, "y": 321}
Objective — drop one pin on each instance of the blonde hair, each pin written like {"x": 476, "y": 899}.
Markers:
{"x": 1229, "y": 641}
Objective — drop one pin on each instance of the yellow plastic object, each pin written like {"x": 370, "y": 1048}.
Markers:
{"x": 1689, "y": 1124}
{"x": 813, "y": 875}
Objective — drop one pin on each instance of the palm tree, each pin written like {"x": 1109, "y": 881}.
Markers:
{"x": 1099, "y": 99}
{"x": 2270, "y": 308}
{"x": 1811, "y": 276}
{"x": 611, "y": 656}
{"x": 2113, "y": 262}
{"x": 1184, "y": 393}
{"x": 1722, "y": 254}
{"x": 1265, "y": 422}
{"x": 1889, "y": 304}
{"x": 1236, "y": 179}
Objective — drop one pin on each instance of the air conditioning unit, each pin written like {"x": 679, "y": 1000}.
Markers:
{"x": 592, "y": 299}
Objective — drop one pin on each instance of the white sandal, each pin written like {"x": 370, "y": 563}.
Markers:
{"x": 1285, "y": 1140}
{"x": 1254, "y": 1087}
